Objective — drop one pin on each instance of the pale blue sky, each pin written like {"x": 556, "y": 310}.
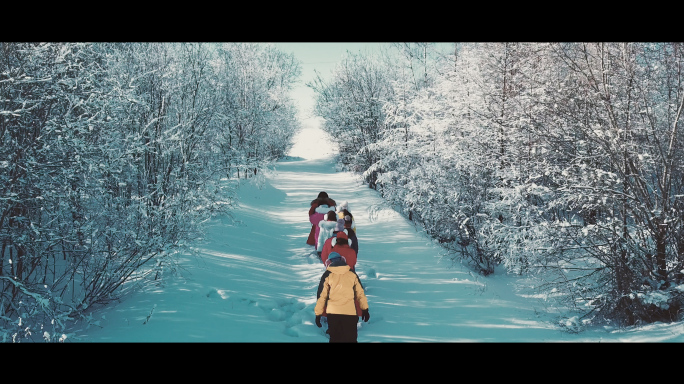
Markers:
{"x": 321, "y": 57}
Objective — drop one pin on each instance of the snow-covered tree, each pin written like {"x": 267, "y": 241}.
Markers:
{"x": 614, "y": 117}
{"x": 561, "y": 162}
{"x": 256, "y": 111}
{"x": 351, "y": 104}
{"x": 111, "y": 159}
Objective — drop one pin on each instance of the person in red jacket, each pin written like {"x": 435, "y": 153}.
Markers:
{"x": 351, "y": 234}
{"x": 339, "y": 289}
{"x": 341, "y": 244}
{"x": 315, "y": 217}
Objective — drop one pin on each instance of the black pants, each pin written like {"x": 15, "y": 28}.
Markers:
{"x": 342, "y": 328}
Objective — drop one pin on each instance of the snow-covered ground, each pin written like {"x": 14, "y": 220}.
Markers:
{"x": 256, "y": 279}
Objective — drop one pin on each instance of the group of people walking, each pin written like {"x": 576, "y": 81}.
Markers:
{"x": 340, "y": 297}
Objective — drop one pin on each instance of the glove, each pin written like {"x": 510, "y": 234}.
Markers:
{"x": 365, "y": 315}
{"x": 318, "y": 321}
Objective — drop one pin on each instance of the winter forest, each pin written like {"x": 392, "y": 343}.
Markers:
{"x": 558, "y": 163}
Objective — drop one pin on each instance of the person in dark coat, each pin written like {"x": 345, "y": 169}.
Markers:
{"x": 350, "y": 230}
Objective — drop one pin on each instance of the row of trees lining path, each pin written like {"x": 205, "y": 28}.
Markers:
{"x": 113, "y": 155}
{"x": 560, "y": 162}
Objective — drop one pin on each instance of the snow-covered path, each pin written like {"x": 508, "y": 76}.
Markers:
{"x": 256, "y": 280}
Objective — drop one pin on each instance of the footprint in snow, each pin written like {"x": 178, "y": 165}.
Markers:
{"x": 220, "y": 293}
{"x": 287, "y": 310}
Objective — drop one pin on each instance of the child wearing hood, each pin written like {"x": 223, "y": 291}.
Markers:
{"x": 340, "y": 288}
{"x": 344, "y": 243}
{"x": 326, "y": 230}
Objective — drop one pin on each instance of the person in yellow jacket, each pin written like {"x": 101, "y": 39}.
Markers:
{"x": 337, "y": 292}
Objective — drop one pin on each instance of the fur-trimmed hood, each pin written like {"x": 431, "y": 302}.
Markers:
{"x": 324, "y": 208}
{"x": 326, "y": 229}
{"x": 327, "y": 225}
{"x": 333, "y": 242}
